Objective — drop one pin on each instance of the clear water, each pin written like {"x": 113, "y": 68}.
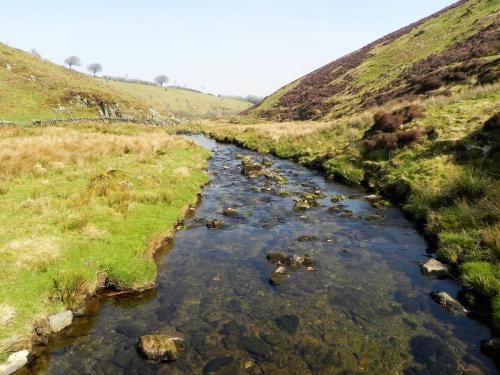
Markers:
{"x": 366, "y": 310}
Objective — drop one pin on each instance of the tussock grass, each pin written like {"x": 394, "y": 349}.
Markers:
{"x": 82, "y": 203}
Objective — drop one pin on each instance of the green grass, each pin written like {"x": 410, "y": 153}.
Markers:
{"x": 87, "y": 202}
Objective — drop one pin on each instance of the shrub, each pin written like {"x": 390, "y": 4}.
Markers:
{"x": 71, "y": 290}
{"x": 470, "y": 185}
{"x": 409, "y": 113}
{"x": 386, "y": 122}
{"x": 429, "y": 84}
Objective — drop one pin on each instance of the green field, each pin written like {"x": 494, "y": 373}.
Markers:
{"x": 81, "y": 204}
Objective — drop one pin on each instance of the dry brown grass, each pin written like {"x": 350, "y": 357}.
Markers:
{"x": 54, "y": 148}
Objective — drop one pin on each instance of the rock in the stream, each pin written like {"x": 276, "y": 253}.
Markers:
{"x": 229, "y": 211}
{"x": 160, "y": 347}
{"x": 280, "y": 269}
{"x": 337, "y": 198}
{"x": 373, "y": 198}
{"x": 449, "y": 303}
{"x": 277, "y": 278}
{"x": 215, "y": 224}
{"x": 491, "y": 347}
{"x": 306, "y": 238}
{"x": 60, "y": 321}
{"x": 14, "y": 362}
{"x": 373, "y": 218}
{"x": 216, "y": 364}
{"x": 434, "y": 267}
{"x": 288, "y": 323}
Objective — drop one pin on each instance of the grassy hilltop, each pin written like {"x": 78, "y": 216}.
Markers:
{"x": 415, "y": 116}
{"x": 32, "y": 88}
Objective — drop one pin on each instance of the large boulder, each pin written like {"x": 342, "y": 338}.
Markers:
{"x": 60, "y": 321}
{"x": 435, "y": 268}
{"x": 160, "y": 347}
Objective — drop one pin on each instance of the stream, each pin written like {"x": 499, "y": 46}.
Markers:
{"x": 366, "y": 310}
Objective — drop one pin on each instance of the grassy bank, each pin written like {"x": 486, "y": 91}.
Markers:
{"x": 448, "y": 181}
{"x": 81, "y": 204}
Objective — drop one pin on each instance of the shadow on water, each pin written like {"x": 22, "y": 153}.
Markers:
{"x": 366, "y": 310}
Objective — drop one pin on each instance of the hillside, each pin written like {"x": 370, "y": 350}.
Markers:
{"x": 178, "y": 101}
{"x": 32, "y": 88}
{"x": 446, "y": 52}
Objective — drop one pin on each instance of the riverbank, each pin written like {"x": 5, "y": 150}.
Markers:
{"x": 85, "y": 206}
{"x": 447, "y": 181}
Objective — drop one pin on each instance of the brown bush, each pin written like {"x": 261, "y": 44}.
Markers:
{"x": 409, "y": 113}
{"x": 386, "y": 122}
{"x": 429, "y": 84}
{"x": 493, "y": 123}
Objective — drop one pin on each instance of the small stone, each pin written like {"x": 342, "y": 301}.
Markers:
{"x": 160, "y": 347}
{"x": 276, "y": 278}
{"x": 305, "y": 238}
{"x": 449, "y": 303}
{"x": 230, "y": 211}
{"x": 14, "y": 362}
{"x": 311, "y": 269}
{"x": 215, "y": 224}
{"x": 280, "y": 269}
{"x": 288, "y": 323}
{"x": 216, "y": 364}
{"x": 337, "y": 198}
{"x": 373, "y": 218}
{"x": 60, "y": 321}
{"x": 373, "y": 198}
{"x": 434, "y": 267}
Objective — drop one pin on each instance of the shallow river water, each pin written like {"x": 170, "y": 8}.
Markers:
{"x": 366, "y": 310}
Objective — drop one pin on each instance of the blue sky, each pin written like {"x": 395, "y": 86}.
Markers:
{"x": 224, "y": 46}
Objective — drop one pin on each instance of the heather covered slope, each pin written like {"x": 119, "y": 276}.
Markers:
{"x": 33, "y": 88}
{"x": 447, "y": 52}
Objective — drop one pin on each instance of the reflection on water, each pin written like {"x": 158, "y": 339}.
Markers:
{"x": 366, "y": 310}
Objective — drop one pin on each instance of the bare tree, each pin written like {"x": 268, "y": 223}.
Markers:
{"x": 163, "y": 79}
{"x": 94, "y": 68}
{"x": 35, "y": 52}
{"x": 73, "y": 61}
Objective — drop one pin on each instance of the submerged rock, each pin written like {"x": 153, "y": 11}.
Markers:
{"x": 14, "y": 362}
{"x": 288, "y": 323}
{"x": 337, "y": 198}
{"x": 306, "y": 238}
{"x": 434, "y": 267}
{"x": 255, "y": 346}
{"x": 60, "y": 321}
{"x": 215, "y": 224}
{"x": 373, "y": 218}
{"x": 491, "y": 347}
{"x": 449, "y": 303}
{"x": 275, "y": 257}
{"x": 160, "y": 347}
{"x": 277, "y": 278}
{"x": 216, "y": 364}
